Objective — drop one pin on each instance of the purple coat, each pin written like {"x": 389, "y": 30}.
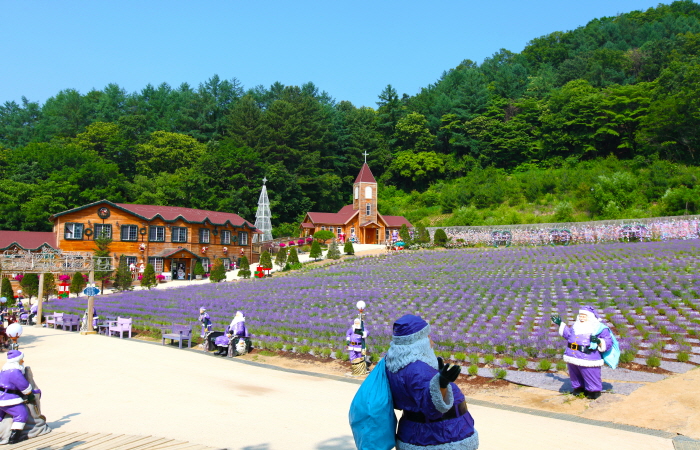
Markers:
{"x": 411, "y": 391}
{"x": 13, "y": 379}
{"x": 581, "y": 358}
{"x": 240, "y": 330}
{"x": 354, "y": 341}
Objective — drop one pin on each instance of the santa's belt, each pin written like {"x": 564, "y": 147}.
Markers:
{"x": 356, "y": 343}
{"x": 10, "y": 391}
{"x": 451, "y": 414}
{"x": 581, "y": 348}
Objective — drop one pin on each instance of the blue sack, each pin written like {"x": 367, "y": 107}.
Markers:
{"x": 372, "y": 417}
{"x": 611, "y": 356}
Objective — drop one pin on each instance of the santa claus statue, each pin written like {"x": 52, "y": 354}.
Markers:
{"x": 585, "y": 345}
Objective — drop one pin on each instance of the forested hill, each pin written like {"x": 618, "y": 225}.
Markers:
{"x": 599, "y": 122}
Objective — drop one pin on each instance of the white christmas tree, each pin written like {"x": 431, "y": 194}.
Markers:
{"x": 262, "y": 217}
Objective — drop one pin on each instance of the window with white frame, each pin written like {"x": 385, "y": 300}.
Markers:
{"x": 130, "y": 232}
{"x": 369, "y": 209}
{"x": 339, "y": 231}
{"x": 205, "y": 263}
{"x": 368, "y": 192}
{"x": 225, "y": 237}
{"x": 357, "y": 192}
{"x": 204, "y": 235}
{"x": 242, "y": 238}
{"x": 73, "y": 231}
{"x": 178, "y": 234}
{"x": 323, "y": 228}
{"x": 156, "y": 233}
{"x": 130, "y": 260}
{"x": 103, "y": 231}
{"x": 157, "y": 263}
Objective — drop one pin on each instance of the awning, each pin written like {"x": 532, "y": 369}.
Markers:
{"x": 369, "y": 224}
{"x": 170, "y": 252}
{"x": 308, "y": 225}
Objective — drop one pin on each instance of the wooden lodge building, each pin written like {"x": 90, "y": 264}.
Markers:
{"x": 361, "y": 220}
{"x": 170, "y": 238}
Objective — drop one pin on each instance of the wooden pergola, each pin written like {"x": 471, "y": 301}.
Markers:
{"x": 56, "y": 261}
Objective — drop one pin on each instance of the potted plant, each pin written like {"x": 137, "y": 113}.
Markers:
{"x": 161, "y": 278}
{"x": 198, "y": 270}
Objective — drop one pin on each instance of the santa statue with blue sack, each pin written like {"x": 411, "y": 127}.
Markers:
{"x": 435, "y": 414}
{"x": 587, "y": 341}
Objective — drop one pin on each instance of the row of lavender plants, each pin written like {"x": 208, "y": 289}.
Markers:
{"x": 478, "y": 301}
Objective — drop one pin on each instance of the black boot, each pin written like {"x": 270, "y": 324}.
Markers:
{"x": 16, "y": 436}
{"x": 593, "y": 395}
{"x": 577, "y": 391}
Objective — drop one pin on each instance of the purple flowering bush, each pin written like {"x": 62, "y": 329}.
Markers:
{"x": 485, "y": 301}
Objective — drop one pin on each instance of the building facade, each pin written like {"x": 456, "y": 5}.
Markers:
{"x": 170, "y": 238}
{"x": 361, "y": 221}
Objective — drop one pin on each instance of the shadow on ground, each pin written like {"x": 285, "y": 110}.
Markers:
{"x": 62, "y": 421}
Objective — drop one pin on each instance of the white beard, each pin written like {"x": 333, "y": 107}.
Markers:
{"x": 241, "y": 347}
{"x": 588, "y": 327}
{"x": 13, "y": 365}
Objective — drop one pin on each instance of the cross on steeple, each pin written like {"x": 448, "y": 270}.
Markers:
{"x": 264, "y": 180}
{"x": 365, "y": 153}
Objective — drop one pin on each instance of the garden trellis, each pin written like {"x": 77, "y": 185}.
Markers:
{"x": 55, "y": 261}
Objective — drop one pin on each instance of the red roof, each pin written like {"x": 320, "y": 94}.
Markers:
{"x": 340, "y": 218}
{"x": 28, "y": 240}
{"x": 365, "y": 175}
{"x": 396, "y": 221}
{"x": 307, "y": 225}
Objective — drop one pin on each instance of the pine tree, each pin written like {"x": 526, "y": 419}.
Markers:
{"x": 349, "y": 249}
{"x": 315, "y": 250}
{"x": 405, "y": 235}
{"x": 218, "y": 272}
{"x": 281, "y": 258}
{"x": 333, "y": 250}
{"x": 49, "y": 285}
{"x": 423, "y": 235}
{"x": 102, "y": 251}
{"x": 293, "y": 257}
{"x": 265, "y": 260}
{"x": 77, "y": 284}
{"x": 30, "y": 285}
{"x": 149, "y": 277}
{"x": 199, "y": 269}
{"x": 8, "y": 292}
{"x": 244, "y": 271}
{"x": 440, "y": 237}
{"x": 122, "y": 280}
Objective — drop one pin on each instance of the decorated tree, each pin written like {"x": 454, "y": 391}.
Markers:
{"x": 30, "y": 284}
{"x": 149, "y": 277}
{"x": 77, "y": 284}
{"x": 122, "y": 280}
{"x": 266, "y": 260}
{"x": 244, "y": 271}
{"x": 218, "y": 272}
{"x": 333, "y": 250}
{"x": 349, "y": 249}
{"x": 315, "y": 252}
{"x": 49, "y": 285}
{"x": 281, "y": 258}
{"x": 293, "y": 257}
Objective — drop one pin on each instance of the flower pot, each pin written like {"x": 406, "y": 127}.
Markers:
{"x": 198, "y": 277}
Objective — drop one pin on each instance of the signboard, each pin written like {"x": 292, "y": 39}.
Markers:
{"x": 91, "y": 291}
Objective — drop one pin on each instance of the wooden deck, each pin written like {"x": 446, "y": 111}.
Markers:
{"x": 103, "y": 441}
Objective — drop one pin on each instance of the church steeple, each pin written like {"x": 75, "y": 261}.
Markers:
{"x": 364, "y": 196}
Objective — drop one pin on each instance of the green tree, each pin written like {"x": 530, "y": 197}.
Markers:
{"x": 122, "y": 279}
{"x": 348, "y": 248}
{"x": 218, "y": 272}
{"x": 102, "y": 243}
{"x": 333, "y": 250}
{"x": 49, "y": 285}
{"x": 422, "y": 234}
{"x": 30, "y": 284}
{"x": 281, "y": 258}
{"x": 405, "y": 235}
{"x": 167, "y": 152}
{"x": 77, "y": 284}
{"x": 8, "y": 292}
{"x": 315, "y": 252}
{"x": 244, "y": 271}
{"x": 199, "y": 269}
{"x": 440, "y": 237}
{"x": 148, "y": 280}
{"x": 412, "y": 134}
{"x": 265, "y": 259}
{"x": 293, "y": 257}
{"x": 323, "y": 235}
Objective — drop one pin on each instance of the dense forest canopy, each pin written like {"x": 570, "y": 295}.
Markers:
{"x": 599, "y": 122}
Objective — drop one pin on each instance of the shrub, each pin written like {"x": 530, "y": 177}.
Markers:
{"x": 122, "y": 280}
{"x": 508, "y": 361}
{"x": 499, "y": 373}
{"x": 333, "y": 250}
{"x": 544, "y": 365}
{"x": 348, "y": 248}
{"x": 7, "y": 291}
{"x": 149, "y": 277}
{"x": 561, "y": 365}
{"x": 474, "y": 358}
{"x": 627, "y": 356}
{"x": 77, "y": 284}
{"x": 315, "y": 251}
{"x": 460, "y": 356}
{"x": 440, "y": 237}
{"x": 293, "y": 257}
{"x": 683, "y": 357}
{"x": 323, "y": 235}
{"x": 521, "y": 362}
{"x": 49, "y": 285}
{"x": 218, "y": 272}
{"x": 488, "y": 358}
{"x": 473, "y": 370}
{"x": 199, "y": 269}
{"x": 653, "y": 361}
{"x": 344, "y": 356}
{"x": 244, "y": 271}
{"x": 30, "y": 284}
{"x": 265, "y": 260}
{"x": 281, "y": 259}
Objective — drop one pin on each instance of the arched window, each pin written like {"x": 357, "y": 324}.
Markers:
{"x": 368, "y": 192}
{"x": 357, "y": 192}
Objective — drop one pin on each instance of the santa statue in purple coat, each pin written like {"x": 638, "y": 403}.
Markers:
{"x": 13, "y": 388}
{"x": 435, "y": 414}
{"x": 355, "y": 337}
{"x": 236, "y": 339}
{"x": 583, "y": 351}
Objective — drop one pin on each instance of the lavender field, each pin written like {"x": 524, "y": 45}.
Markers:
{"x": 486, "y": 301}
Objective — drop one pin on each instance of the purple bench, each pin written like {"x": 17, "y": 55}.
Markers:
{"x": 179, "y": 333}
{"x": 51, "y": 319}
{"x": 121, "y": 326}
{"x": 68, "y": 320}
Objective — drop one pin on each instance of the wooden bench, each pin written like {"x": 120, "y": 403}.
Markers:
{"x": 178, "y": 333}
{"x": 70, "y": 321}
{"x": 121, "y": 325}
{"x": 52, "y": 318}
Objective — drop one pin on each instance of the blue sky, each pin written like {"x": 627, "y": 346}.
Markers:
{"x": 351, "y": 49}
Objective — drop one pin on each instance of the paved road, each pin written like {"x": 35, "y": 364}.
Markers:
{"x": 107, "y": 385}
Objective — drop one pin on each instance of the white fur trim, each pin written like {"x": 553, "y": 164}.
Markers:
{"x": 470, "y": 443}
{"x": 16, "y": 359}
{"x": 17, "y": 426}
{"x": 602, "y": 346}
{"x": 562, "y": 327}
{"x": 399, "y": 356}
{"x": 439, "y": 401}
{"x": 28, "y": 390}
{"x": 13, "y": 365}
{"x": 411, "y": 338}
{"x": 364, "y": 334}
{"x": 583, "y": 362}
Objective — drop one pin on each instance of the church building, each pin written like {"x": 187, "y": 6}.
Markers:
{"x": 360, "y": 221}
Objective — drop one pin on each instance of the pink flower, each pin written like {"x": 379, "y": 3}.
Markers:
{"x": 282, "y": 244}
{"x": 64, "y": 277}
